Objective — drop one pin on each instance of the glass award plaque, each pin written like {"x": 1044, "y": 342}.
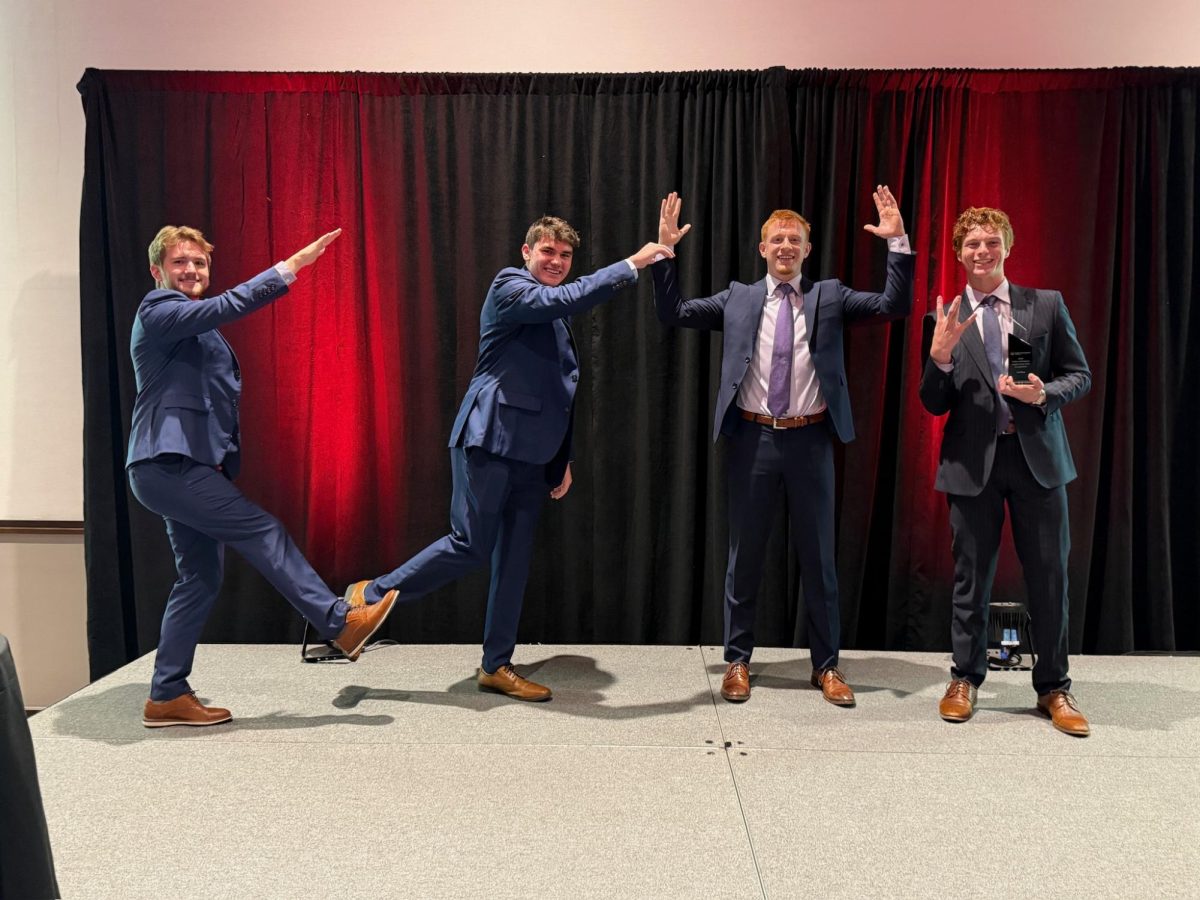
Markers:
{"x": 1020, "y": 359}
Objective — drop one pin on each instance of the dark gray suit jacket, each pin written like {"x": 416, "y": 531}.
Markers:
{"x": 967, "y": 394}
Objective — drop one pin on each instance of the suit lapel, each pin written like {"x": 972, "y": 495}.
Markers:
{"x": 1022, "y": 310}
{"x": 811, "y": 293}
{"x": 973, "y": 343}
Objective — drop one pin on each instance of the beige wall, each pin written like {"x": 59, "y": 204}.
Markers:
{"x": 42, "y": 614}
{"x": 46, "y": 45}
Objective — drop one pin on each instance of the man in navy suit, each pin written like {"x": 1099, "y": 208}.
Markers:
{"x": 184, "y": 451}
{"x": 511, "y": 440}
{"x": 781, "y": 401}
{"x": 1004, "y": 443}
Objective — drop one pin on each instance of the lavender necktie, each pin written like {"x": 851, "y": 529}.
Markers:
{"x": 779, "y": 391}
{"x": 994, "y": 350}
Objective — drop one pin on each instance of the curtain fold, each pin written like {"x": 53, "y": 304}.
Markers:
{"x": 353, "y": 379}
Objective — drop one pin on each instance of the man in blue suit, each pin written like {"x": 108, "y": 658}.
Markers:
{"x": 184, "y": 451}
{"x": 511, "y": 440}
{"x": 1004, "y": 445}
{"x": 781, "y": 400}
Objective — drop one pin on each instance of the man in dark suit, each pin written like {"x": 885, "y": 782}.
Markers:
{"x": 781, "y": 401}
{"x": 511, "y": 440}
{"x": 1004, "y": 443}
{"x": 184, "y": 451}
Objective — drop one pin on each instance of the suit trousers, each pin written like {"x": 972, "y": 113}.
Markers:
{"x": 1042, "y": 539}
{"x": 760, "y": 461}
{"x": 204, "y": 511}
{"x": 494, "y": 509}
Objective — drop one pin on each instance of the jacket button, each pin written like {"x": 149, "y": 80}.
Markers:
{"x": 747, "y": 359}
{"x": 575, "y": 377}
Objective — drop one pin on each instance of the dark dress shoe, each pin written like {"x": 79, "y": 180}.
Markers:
{"x": 505, "y": 680}
{"x": 833, "y": 686}
{"x": 735, "y": 686}
{"x": 958, "y": 703}
{"x": 183, "y": 710}
{"x": 1064, "y": 712}
{"x": 362, "y": 621}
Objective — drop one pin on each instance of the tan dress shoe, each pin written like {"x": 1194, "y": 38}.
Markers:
{"x": 1064, "y": 712}
{"x": 505, "y": 680}
{"x": 183, "y": 710}
{"x": 735, "y": 686}
{"x": 362, "y": 621}
{"x": 833, "y": 686}
{"x": 958, "y": 703}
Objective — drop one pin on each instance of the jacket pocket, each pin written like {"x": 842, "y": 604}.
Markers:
{"x": 180, "y": 400}
{"x": 521, "y": 401}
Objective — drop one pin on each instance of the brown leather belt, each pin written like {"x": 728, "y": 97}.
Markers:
{"x": 781, "y": 424}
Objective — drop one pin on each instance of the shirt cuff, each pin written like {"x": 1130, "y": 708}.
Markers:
{"x": 945, "y": 367}
{"x": 288, "y": 276}
{"x": 629, "y": 263}
{"x": 899, "y": 244}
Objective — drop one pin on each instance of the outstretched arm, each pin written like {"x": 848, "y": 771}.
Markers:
{"x": 168, "y": 316}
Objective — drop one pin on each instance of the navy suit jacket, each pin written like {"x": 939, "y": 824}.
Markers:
{"x": 520, "y": 401}
{"x": 737, "y": 312}
{"x": 189, "y": 385}
{"x": 968, "y": 395}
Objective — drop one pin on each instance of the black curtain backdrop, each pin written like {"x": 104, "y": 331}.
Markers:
{"x": 352, "y": 381}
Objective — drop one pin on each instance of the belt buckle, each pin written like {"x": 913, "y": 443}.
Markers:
{"x": 775, "y": 424}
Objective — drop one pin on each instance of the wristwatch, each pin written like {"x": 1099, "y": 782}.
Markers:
{"x": 1041, "y": 398}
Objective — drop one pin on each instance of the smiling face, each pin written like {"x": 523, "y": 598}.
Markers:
{"x": 184, "y": 268}
{"x": 982, "y": 255}
{"x": 784, "y": 246}
{"x": 548, "y": 260}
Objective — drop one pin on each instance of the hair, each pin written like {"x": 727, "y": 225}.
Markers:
{"x": 982, "y": 217}
{"x": 552, "y": 227}
{"x": 170, "y": 235}
{"x": 787, "y": 215}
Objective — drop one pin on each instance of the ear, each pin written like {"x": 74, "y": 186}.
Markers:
{"x": 762, "y": 249}
{"x": 526, "y": 252}
{"x": 156, "y": 274}
{"x": 807, "y": 250}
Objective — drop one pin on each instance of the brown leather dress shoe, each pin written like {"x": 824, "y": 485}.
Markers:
{"x": 183, "y": 710}
{"x": 833, "y": 686}
{"x": 505, "y": 680}
{"x": 362, "y": 621}
{"x": 1064, "y": 712}
{"x": 958, "y": 703}
{"x": 735, "y": 686}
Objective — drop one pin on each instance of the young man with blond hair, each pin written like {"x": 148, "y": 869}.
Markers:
{"x": 184, "y": 451}
{"x": 1004, "y": 445}
{"x": 781, "y": 401}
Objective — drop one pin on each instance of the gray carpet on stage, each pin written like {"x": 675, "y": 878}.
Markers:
{"x": 396, "y": 777}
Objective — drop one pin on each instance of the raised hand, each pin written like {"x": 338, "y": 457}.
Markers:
{"x": 652, "y": 252}
{"x": 669, "y": 232}
{"x": 312, "y": 252}
{"x": 948, "y": 330}
{"x": 891, "y": 224}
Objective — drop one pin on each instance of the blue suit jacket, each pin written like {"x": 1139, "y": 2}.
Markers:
{"x": 188, "y": 381}
{"x": 520, "y": 400}
{"x": 737, "y": 312}
{"x": 968, "y": 395}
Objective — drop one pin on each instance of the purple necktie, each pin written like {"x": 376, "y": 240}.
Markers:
{"x": 779, "y": 391}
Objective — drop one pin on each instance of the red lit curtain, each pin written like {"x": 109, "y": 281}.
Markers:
{"x": 352, "y": 380}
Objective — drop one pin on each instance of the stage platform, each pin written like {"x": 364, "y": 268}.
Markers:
{"x": 395, "y": 777}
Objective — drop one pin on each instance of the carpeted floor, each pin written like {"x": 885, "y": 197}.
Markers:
{"x": 396, "y": 777}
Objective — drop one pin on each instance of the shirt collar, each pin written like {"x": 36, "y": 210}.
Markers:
{"x": 772, "y": 284}
{"x": 1000, "y": 293}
